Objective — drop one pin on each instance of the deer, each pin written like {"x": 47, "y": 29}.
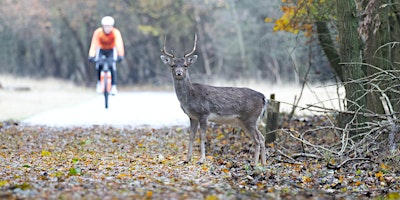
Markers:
{"x": 222, "y": 105}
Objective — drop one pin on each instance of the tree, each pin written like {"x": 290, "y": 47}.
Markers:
{"x": 349, "y": 51}
{"x": 366, "y": 56}
{"x": 379, "y": 30}
{"x": 51, "y": 38}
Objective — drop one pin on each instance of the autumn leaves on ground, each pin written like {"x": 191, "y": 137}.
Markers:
{"x": 117, "y": 163}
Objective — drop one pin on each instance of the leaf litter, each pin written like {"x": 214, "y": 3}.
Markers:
{"x": 103, "y": 162}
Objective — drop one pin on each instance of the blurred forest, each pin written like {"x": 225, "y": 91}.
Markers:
{"x": 44, "y": 38}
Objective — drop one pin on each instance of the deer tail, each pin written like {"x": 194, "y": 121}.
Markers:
{"x": 263, "y": 111}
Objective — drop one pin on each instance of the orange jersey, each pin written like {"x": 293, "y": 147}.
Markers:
{"x": 106, "y": 41}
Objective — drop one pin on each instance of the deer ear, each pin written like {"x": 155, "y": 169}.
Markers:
{"x": 166, "y": 60}
{"x": 191, "y": 59}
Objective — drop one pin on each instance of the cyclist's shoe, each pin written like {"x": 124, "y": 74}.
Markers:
{"x": 114, "y": 90}
{"x": 98, "y": 87}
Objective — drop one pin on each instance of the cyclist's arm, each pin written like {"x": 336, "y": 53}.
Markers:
{"x": 119, "y": 43}
{"x": 95, "y": 44}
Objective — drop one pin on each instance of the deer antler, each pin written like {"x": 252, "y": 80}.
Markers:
{"x": 164, "y": 51}
{"x": 194, "y": 47}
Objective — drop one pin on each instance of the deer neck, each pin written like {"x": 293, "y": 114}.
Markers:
{"x": 183, "y": 87}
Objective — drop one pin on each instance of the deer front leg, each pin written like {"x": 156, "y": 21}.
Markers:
{"x": 203, "y": 129}
{"x": 193, "y": 129}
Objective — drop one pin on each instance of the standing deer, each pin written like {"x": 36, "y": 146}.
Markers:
{"x": 203, "y": 103}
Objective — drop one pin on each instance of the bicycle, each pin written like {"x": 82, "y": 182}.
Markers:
{"x": 105, "y": 76}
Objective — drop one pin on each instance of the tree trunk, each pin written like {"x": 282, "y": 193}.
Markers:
{"x": 378, "y": 33}
{"x": 329, "y": 49}
{"x": 82, "y": 68}
{"x": 350, "y": 48}
{"x": 240, "y": 38}
{"x": 203, "y": 50}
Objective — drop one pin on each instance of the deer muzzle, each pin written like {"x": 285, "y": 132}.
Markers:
{"x": 179, "y": 72}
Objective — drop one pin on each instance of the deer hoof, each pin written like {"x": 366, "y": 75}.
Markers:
{"x": 200, "y": 162}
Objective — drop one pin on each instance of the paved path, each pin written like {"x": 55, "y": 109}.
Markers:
{"x": 137, "y": 109}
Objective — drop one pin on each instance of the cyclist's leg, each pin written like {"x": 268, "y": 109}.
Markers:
{"x": 101, "y": 53}
{"x": 114, "y": 79}
{"x": 114, "y": 66}
{"x": 98, "y": 85}
{"x": 109, "y": 53}
{"x": 114, "y": 74}
{"x": 99, "y": 68}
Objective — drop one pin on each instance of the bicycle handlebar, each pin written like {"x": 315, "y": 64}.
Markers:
{"x": 105, "y": 62}
{"x": 104, "y": 59}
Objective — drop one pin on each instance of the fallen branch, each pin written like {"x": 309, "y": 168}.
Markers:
{"x": 307, "y": 142}
{"x": 336, "y": 167}
{"x": 306, "y": 155}
{"x": 286, "y": 156}
{"x": 370, "y": 115}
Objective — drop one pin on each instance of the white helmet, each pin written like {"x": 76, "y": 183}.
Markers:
{"x": 107, "y": 20}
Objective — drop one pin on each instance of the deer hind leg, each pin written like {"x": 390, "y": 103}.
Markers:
{"x": 259, "y": 142}
{"x": 203, "y": 129}
{"x": 194, "y": 124}
{"x": 261, "y": 139}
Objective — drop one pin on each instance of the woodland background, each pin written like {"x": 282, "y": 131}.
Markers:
{"x": 340, "y": 154}
{"x": 44, "y": 38}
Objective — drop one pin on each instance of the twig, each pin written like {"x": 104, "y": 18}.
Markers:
{"x": 306, "y": 155}
{"x": 389, "y": 43}
{"x": 388, "y": 110}
{"x": 371, "y": 115}
{"x": 345, "y": 134}
{"x": 307, "y": 142}
{"x": 292, "y": 161}
{"x": 331, "y": 166}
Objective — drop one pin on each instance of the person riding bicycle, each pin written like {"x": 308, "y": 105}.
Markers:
{"x": 107, "y": 40}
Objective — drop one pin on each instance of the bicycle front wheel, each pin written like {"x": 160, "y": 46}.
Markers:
{"x": 106, "y": 92}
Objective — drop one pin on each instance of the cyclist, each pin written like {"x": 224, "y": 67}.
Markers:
{"x": 107, "y": 40}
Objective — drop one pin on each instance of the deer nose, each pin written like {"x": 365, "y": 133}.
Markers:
{"x": 179, "y": 72}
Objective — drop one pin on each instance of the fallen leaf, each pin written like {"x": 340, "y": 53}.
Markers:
{"x": 211, "y": 197}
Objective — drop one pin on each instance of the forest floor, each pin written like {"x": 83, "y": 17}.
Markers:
{"x": 100, "y": 162}
{"x": 309, "y": 160}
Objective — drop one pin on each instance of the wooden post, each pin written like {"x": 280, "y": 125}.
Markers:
{"x": 272, "y": 119}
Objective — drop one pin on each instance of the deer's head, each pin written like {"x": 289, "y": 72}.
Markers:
{"x": 179, "y": 65}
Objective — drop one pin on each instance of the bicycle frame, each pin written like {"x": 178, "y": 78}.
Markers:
{"x": 105, "y": 75}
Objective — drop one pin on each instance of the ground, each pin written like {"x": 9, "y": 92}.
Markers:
{"x": 308, "y": 160}
{"x": 101, "y": 162}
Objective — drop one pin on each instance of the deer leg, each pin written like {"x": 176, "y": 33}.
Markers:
{"x": 254, "y": 134}
{"x": 203, "y": 129}
{"x": 262, "y": 144}
{"x": 194, "y": 124}
{"x": 257, "y": 147}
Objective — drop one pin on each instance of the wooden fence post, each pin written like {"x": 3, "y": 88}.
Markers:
{"x": 272, "y": 119}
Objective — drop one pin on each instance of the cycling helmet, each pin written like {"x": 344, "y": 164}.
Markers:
{"x": 107, "y": 20}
